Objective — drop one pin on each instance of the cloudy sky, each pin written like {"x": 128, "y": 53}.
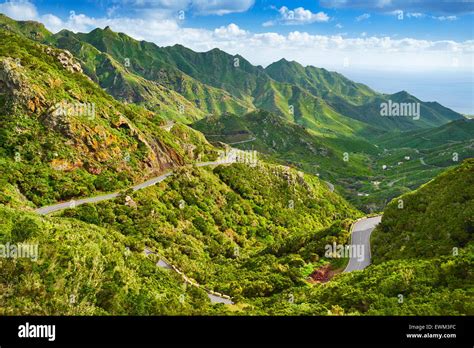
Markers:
{"x": 390, "y": 36}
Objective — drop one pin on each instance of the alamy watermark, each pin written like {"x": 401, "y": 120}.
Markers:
{"x": 337, "y": 251}
{"x": 65, "y": 108}
{"x": 29, "y": 251}
{"x": 249, "y": 157}
{"x": 394, "y": 109}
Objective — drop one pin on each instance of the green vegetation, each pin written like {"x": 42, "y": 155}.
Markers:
{"x": 438, "y": 286}
{"x": 344, "y": 116}
{"x": 436, "y": 219}
{"x": 86, "y": 270}
{"x": 217, "y": 226}
{"x": 53, "y": 155}
{"x": 255, "y": 233}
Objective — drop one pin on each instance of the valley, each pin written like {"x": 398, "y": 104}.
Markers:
{"x": 164, "y": 181}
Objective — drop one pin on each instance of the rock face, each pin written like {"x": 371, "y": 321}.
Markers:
{"x": 14, "y": 87}
{"x": 110, "y": 140}
{"x": 66, "y": 59}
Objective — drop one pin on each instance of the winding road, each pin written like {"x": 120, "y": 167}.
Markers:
{"x": 231, "y": 158}
{"x": 215, "y": 297}
{"x": 361, "y": 229}
{"x": 360, "y": 241}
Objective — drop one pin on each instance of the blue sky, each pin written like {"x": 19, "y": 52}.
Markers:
{"x": 364, "y": 38}
{"x": 428, "y": 19}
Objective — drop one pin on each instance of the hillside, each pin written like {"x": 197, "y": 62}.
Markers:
{"x": 86, "y": 270}
{"x": 62, "y": 136}
{"x": 453, "y": 132}
{"x": 216, "y": 82}
{"x": 162, "y": 89}
{"x": 214, "y": 224}
{"x": 436, "y": 219}
{"x": 282, "y": 140}
{"x": 422, "y": 254}
{"x": 319, "y": 82}
{"x": 178, "y": 84}
{"x": 76, "y": 121}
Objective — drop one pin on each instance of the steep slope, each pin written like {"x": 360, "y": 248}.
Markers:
{"x": 62, "y": 136}
{"x": 162, "y": 88}
{"x": 422, "y": 254}
{"x": 319, "y": 82}
{"x": 358, "y": 101}
{"x": 214, "y": 82}
{"x": 217, "y": 68}
{"x": 457, "y": 131}
{"x": 82, "y": 269}
{"x": 282, "y": 140}
{"x": 436, "y": 219}
{"x": 215, "y": 223}
{"x": 430, "y": 114}
{"x": 436, "y": 286}
{"x": 30, "y": 29}
{"x": 150, "y": 62}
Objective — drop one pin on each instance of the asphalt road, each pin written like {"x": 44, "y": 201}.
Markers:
{"x": 231, "y": 157}
{"x": 215, "y": 298}
{"x": 360, "y": 241}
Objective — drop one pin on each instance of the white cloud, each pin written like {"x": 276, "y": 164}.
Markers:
{"x": 363, "y": 17}
{"x": 19, "y": 10}
{"x": 232, "y": 30}
{"x": 415, "y": 15}
{"x": 446, "y": 18}
{"x": 338, "y": 26}
{"x": 297, "y": 16}
{"x": 200, "y": 7}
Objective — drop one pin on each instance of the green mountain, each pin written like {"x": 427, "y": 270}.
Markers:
{"x": 83, "y": 269}
{"x": 358, "y": 101}
{"x": 161, "y": 88}
{"x": 204, "y": 78}
{"x": 283, "y": 141}
{"x": 144, "y": 59}
{"x": 62, "y": 136}
{"x": 254, "y": 232}
{"x": 453, "y": 132}
{"x": 422, "y": 259}
{"x": 436, "y": 219}
{"x": 319, "y": 82}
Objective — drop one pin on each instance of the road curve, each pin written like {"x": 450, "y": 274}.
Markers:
{"x": 360, "y": 241}
{"x": 212, "y": 295}
{"x": 153, "y": 181}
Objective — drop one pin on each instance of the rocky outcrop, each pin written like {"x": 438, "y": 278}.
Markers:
{"x": 15, "y": 89}
{"x": 65, "y": 58}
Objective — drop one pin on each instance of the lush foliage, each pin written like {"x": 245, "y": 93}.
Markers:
{"x": 436, "y": 219}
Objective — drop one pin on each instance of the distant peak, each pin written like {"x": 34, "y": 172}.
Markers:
{"x": 215, "y": 50}
{"x": 107, "y": 28}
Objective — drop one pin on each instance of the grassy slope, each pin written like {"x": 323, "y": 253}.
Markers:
{"x": 53, "y": 157}
{"x": 431, "y": 221}
{"x": 85, "y": 270}
{"x": 228, "y": 216}
{"x": 415, "y": 270}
